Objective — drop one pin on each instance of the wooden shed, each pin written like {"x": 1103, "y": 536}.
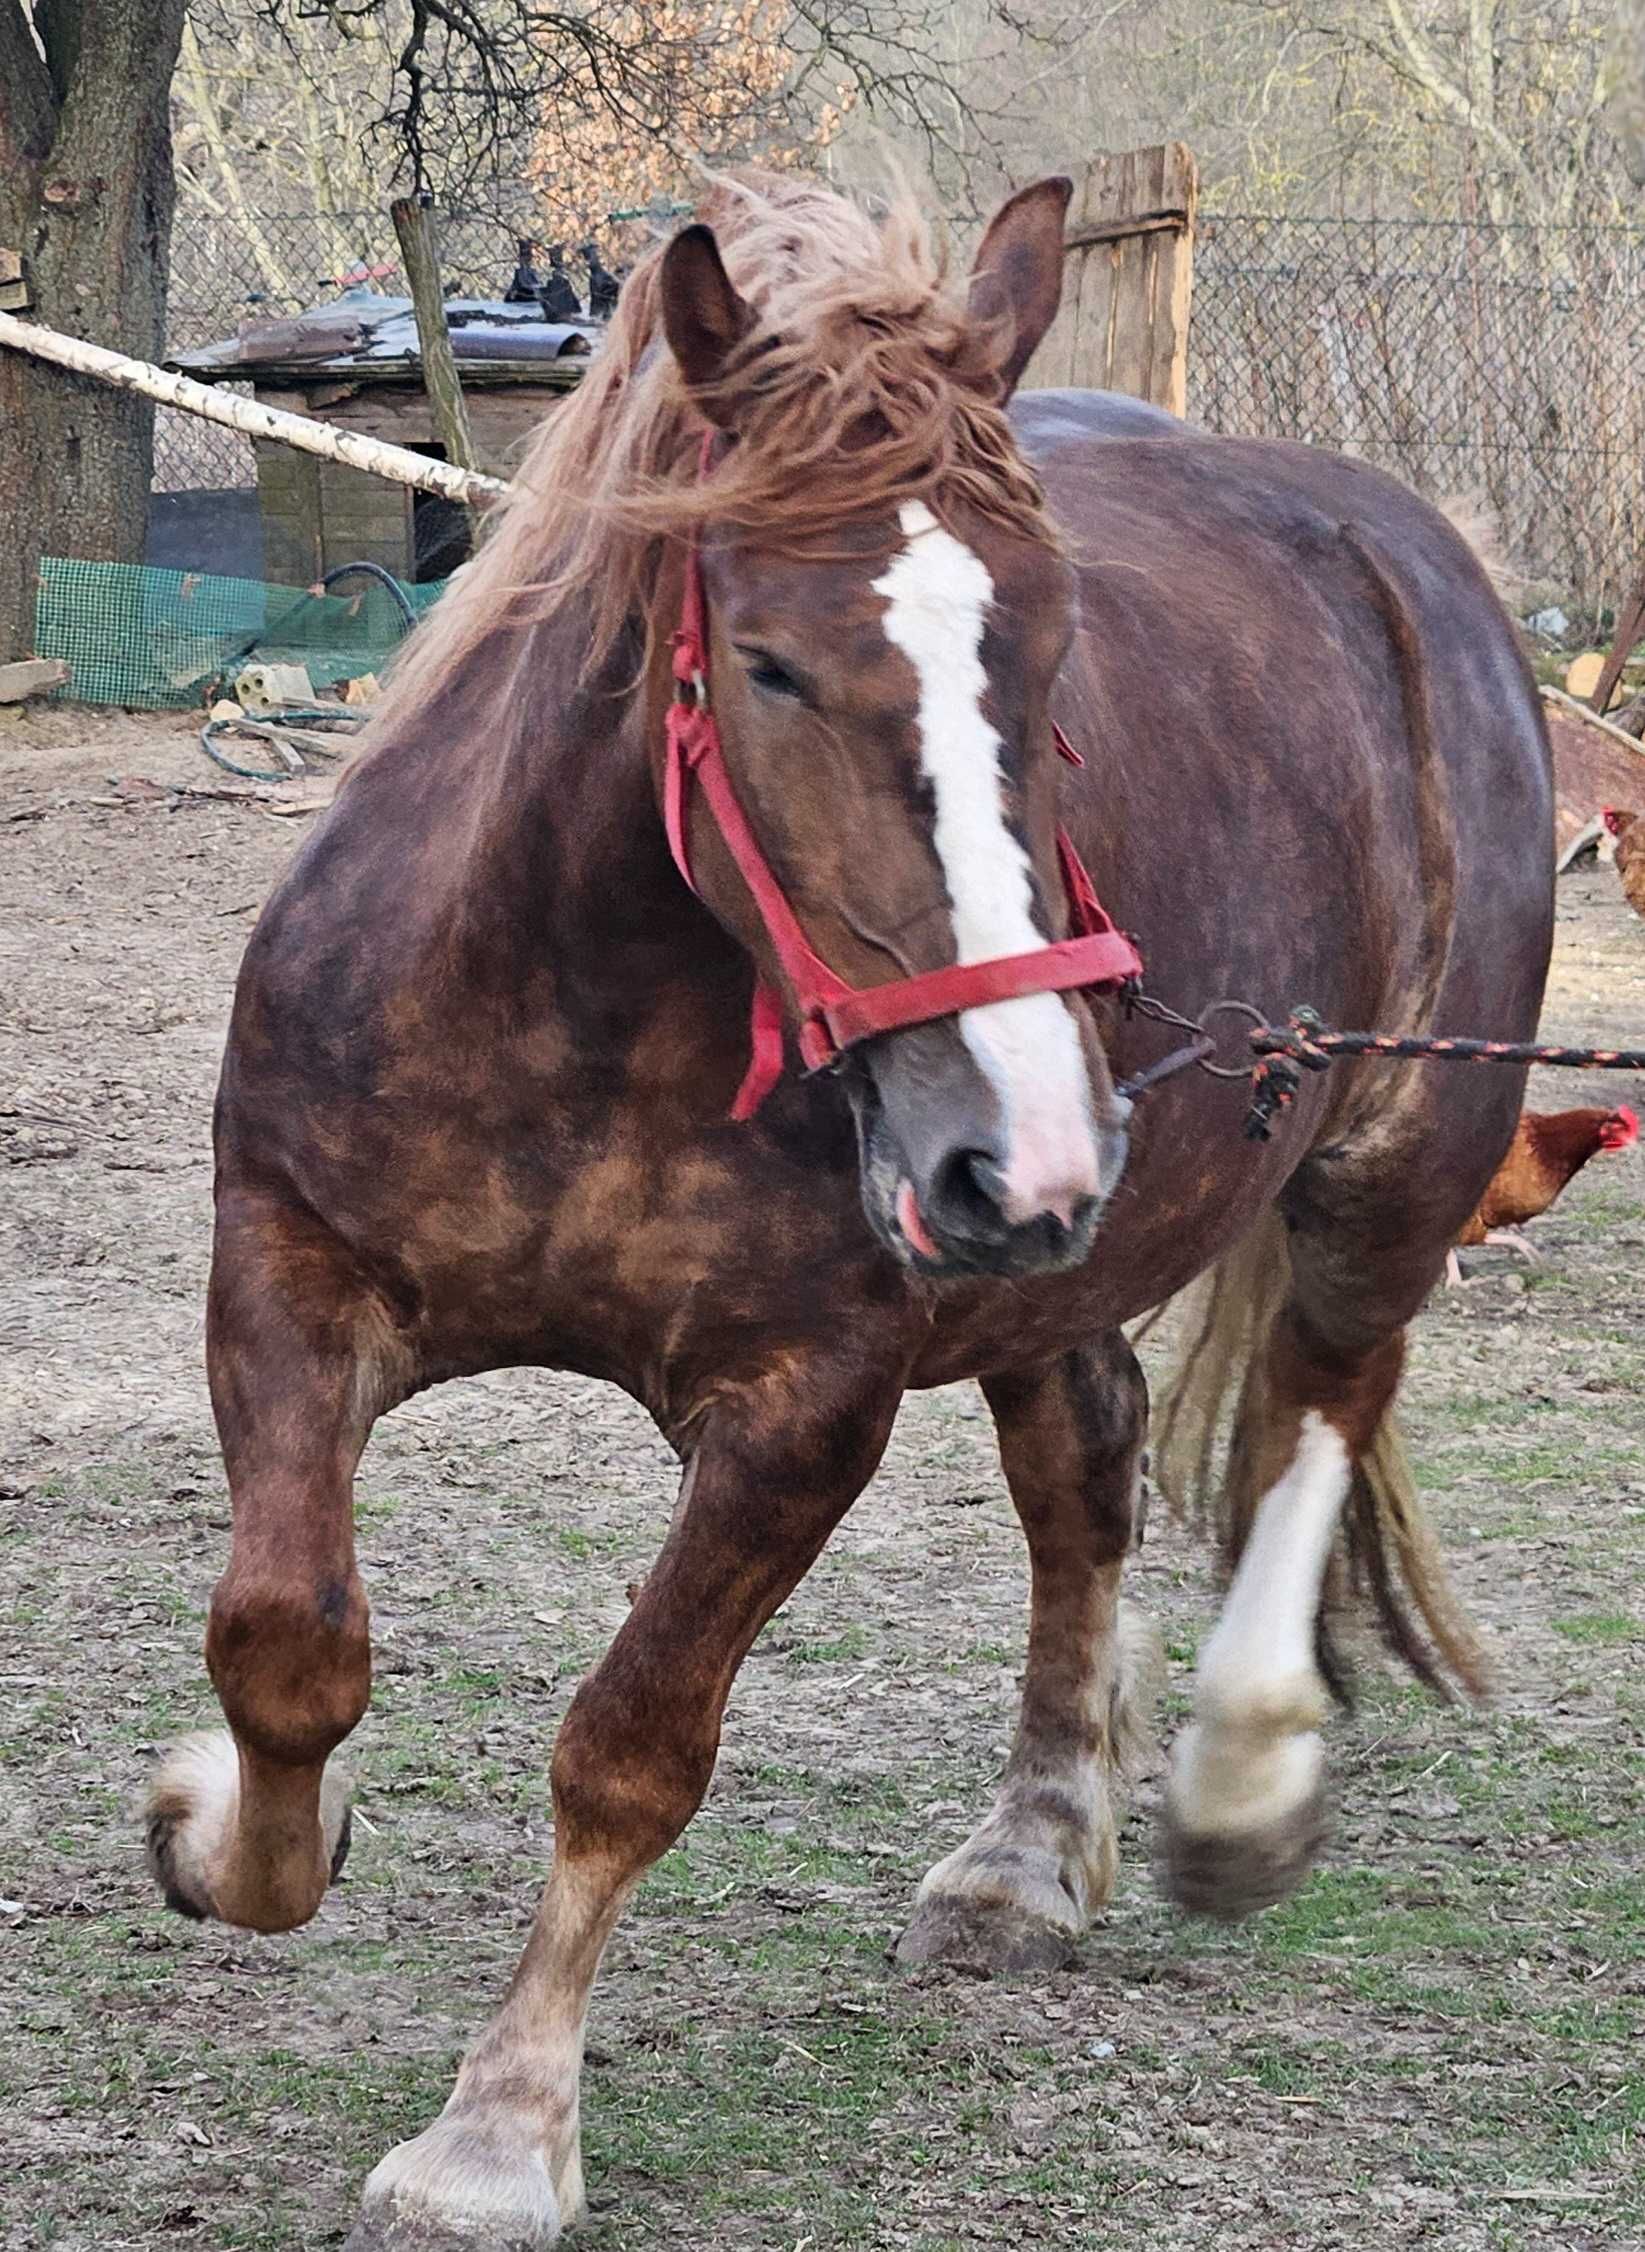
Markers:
{"x": 355, "y": 362}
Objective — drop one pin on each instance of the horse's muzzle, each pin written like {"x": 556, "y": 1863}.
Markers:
{"x": 942, "y": 1192}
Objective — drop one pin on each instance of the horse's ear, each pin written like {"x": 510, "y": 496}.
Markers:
{"x": 703, "y": 317}
{"x": 1016, "y": 277}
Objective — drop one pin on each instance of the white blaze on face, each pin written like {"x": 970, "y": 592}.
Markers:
{"x": 937, "y": 594}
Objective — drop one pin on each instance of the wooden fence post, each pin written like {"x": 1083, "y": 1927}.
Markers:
{"x": 414, "y": 224}
{"x": 1127, "y": 279}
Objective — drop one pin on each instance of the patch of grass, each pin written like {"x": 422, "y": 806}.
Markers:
{"x": 851, "y": 1642}
{"x": 1600, "y": 1627}
{"x": 983, "y": 1654}
{"x": 373, "y": 1510}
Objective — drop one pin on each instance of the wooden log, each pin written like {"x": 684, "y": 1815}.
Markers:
{"x": 1559, "y": 701}
{"x": 414, "y": 224}
{"x": 249, "y": 416}
{"x": 1595, "y": 765}
{"x": 31, "y": 676}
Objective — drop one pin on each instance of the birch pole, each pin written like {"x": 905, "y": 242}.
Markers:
{"x": 250, "y": 417}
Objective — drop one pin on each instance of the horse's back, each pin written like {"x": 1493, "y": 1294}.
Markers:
{"x": 1045, "y": 419}
{"x": 1133, "y": 483}
{"x": 1229, "y": 591}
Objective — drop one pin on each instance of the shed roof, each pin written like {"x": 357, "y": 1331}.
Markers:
{"x": 364, "y": 334}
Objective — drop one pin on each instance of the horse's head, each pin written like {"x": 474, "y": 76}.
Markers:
{"x": 882, "y": 691}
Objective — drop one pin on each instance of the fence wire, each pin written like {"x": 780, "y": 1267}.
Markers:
{"x": 236, "y": 267}
{"x": 1504, "y": 363}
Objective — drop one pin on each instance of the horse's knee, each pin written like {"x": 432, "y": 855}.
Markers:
{"x": 630, "y": 1768}
{"x": 290, "y": 1658}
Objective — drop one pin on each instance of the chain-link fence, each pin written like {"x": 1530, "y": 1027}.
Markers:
{"x": 1505, "y": 362}
{"x": 233, "y": 266}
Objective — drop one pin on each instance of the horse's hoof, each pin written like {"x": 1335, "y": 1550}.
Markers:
{"x": 1228, "y": 1875}
{"x": 189, "y": 1813}
{"x": 990, "y": 1938}
{"x": 414, "y": 2232}
{"x": 459, "y": 2187}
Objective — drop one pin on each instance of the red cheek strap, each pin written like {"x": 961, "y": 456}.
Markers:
{"x": 835, "y": 1016}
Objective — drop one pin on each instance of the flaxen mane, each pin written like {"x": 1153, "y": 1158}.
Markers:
{"x": 865, "y": 381}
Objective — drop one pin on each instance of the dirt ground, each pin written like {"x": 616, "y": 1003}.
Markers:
{"x": 1440, "y": 2042}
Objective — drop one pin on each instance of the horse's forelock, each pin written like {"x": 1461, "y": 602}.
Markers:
{"x": 864, "y": 383}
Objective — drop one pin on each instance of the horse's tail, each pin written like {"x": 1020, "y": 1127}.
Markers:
{"x": 1387, "y": 1550}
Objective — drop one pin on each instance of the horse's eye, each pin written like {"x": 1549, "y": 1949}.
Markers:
{"x": 772, "y": 678}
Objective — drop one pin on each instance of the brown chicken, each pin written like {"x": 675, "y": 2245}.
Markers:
{"x": 1548, "y": 1150}
{"x": 1629, "y": 832}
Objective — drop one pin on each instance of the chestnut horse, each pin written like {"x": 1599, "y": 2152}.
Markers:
{"x": 474, "y": 1106}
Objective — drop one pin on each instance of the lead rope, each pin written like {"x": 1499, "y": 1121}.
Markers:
{"x": 1282, "y": 1053}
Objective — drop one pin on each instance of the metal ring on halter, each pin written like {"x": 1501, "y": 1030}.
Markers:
{"x": 1236, "y": 1008}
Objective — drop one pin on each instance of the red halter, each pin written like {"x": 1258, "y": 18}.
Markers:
{"x": 834, "y": 1016}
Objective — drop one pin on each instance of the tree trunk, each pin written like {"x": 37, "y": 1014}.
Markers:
{"x": 414, "y": 225}
{"x": 86, "y": 194}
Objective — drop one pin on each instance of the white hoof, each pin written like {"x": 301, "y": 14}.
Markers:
{"x": 459, "y": 2183}
{"x": 1243, "y": 1820}
{"x": 190, "y": 1811}
{"x": 1231, "y": 1782}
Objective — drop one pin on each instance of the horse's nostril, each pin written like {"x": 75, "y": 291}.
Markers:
{"x": 964, "y": 1195}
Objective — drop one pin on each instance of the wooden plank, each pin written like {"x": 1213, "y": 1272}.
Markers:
{"x": 1595, "y": 765}
{"x": 1121, "y": 230}
{"x": 288, "y": 499}
{"x": 15, "y": 296}
{"x": 1128, "y": 278}
{"x": 503, "y": 421}
{"x": 363, "y": 520}
{"x": 31, "y": 676}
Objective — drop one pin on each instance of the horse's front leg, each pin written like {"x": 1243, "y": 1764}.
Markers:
{"x": 1022, "y": 1888}
{"x": 777, "y": 1467}
{"x": 249, "y": 1825}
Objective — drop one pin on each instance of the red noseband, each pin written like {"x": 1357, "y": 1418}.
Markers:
{"x": 834, "y": 1016}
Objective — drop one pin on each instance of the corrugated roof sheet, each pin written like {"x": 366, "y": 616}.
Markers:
{"x": 364, "y": 333}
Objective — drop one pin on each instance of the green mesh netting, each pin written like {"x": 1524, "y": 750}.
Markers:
{"x": 158, "y": 640}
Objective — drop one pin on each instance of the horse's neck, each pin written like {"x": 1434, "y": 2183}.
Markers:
{"x": 565, "y": 858}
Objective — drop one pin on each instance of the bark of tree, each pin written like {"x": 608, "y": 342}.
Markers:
{"x": 86, "y": 194}
{"x": 419, "y": 254}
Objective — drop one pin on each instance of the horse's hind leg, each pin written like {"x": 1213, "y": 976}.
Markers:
{"x": 1312, "y": 1446}
{"x": 1024, "y": 1885}
{"x": 777, "y": 1466}
{"x": 245, "y": 1825}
